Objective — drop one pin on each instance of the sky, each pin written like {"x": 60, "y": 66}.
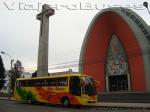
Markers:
{"x": 19, "y": 29}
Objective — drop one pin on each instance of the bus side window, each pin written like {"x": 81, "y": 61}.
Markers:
{"x": 17, "y": 83}
{"x": 38, "y": 82}
{"x": 31, "y": 83}
{"x": 43, "y": 82}
{"x": 64, "y": 81}
{"x": 22, "y": 83}
{"x": 47, "y": 82}
{"x": 56, "y": 82}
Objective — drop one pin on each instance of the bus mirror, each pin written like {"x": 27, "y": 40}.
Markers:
{"x": 97, "y": 83}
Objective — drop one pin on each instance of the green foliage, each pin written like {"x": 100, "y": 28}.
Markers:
{"x": 2, "y": 74}
{"x": 16, "y": 72}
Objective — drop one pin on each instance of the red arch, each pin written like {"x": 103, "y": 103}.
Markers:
{"x": 96, "y": 45}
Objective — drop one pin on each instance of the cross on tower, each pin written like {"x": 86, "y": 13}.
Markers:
{"x": 42, "y": 64}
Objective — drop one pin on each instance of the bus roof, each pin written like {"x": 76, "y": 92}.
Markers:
{"x": 52, "y": 76}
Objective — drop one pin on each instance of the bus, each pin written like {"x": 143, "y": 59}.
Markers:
{"x": 67, "y": 89}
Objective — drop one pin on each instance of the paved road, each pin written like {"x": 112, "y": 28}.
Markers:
{"x": 15, "y": 106}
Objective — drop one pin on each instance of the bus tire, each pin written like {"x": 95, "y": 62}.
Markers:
{"x": 29, "y": 100}
{"x": 65, "y": 102}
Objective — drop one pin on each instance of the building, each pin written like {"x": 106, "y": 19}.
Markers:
{"x": 26, "y": 75}
{"x": 5, "y": 88}
{"x": 116, "y": 51}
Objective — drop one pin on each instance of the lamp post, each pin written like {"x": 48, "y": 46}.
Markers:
{"x": 9, "y": 85}
{"x": 145, "y": 4}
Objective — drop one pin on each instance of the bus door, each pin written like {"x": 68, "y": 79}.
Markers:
{"x": 75, "y": 86}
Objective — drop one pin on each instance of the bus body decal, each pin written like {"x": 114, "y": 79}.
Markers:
{"x": 24, "y": 94}
{"x": 53, "y": 97}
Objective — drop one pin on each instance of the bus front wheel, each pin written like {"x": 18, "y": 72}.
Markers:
{"x": 65, "y": 102}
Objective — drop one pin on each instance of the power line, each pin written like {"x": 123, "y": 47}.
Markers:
{"x": 77, "y": 63}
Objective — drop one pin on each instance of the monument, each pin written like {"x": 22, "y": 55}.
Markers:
{"x": 42, "y": 63}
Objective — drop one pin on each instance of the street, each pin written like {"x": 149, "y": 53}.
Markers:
{"x": 15, "y": 106}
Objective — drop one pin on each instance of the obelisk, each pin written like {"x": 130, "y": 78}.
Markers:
{"x": 42, "y": 63}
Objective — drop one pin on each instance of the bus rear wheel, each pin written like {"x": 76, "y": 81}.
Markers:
{"x": 65, "y": 102}
{"x": 29, "y": 100}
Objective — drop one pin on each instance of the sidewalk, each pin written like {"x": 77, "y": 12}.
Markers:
{"x": 121, "y": 105}
{"x": 6, "y": 98}
{"x": 108, "y": 104}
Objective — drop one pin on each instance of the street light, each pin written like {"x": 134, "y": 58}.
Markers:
{"x": 9, "y": 86}
{"x": 145, "y": 4}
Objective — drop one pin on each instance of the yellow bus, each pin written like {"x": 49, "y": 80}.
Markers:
{"x": 68, "y": 89}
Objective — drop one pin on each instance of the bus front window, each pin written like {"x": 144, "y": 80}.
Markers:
{"x": 88, "y": 86}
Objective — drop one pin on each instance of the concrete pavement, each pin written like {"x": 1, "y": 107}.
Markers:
{"x": 109, "y": 104}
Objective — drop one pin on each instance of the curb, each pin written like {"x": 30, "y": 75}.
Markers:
{"x": 121, "y": 105}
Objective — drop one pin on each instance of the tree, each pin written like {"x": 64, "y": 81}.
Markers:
{"x": 2, "y": 74}
{"x": 16, "y": 72}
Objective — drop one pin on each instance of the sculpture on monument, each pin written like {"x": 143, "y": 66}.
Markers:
{"x": 42, "y": 63}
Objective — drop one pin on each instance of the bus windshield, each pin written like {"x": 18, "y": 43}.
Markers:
{"x": 88, "y": 86}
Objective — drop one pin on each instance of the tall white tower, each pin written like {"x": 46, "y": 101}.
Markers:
{"x": 42, "y": 63}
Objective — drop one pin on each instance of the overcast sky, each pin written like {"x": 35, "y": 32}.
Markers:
{"x": 19, "y": 29}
